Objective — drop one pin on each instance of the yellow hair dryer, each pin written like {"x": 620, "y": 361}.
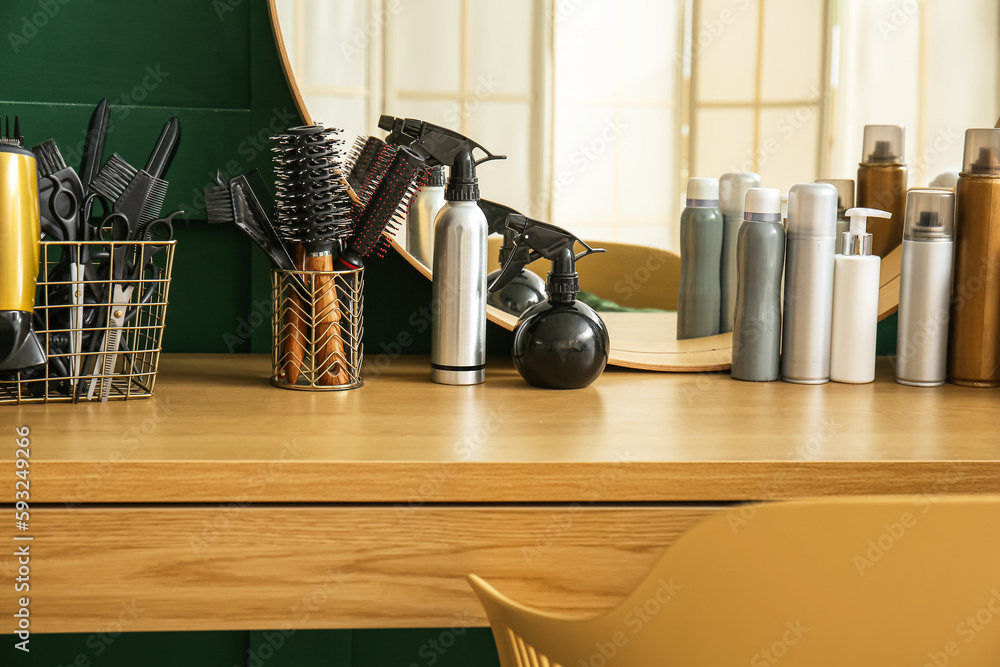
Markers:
{"x": 20, "y": 234}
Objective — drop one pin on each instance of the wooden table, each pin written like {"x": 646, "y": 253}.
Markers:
{"x": 225, "y": 503}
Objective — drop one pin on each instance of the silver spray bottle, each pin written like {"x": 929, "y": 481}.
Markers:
{"x": 423, "y": 212}
{"x": 845, "y": 193}
{"x": 732, "y": 193}
{"x": 458, "y": 331}
{"x": 760, "y": 257}
{"x": 809, "y": 259}
{"x": 925, "y": 288}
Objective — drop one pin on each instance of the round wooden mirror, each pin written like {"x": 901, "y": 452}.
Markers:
{"x": 631, "y": 275}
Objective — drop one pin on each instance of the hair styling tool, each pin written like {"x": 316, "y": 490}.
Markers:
{"x": 60, "y": 197}
{"x": 387, "y": 208}
{"x": 136, "y": 199}
{"x": 20, "y": 233}
{"x": 139, "y": 194}
{"x": 93, "y": 147}
{"x": 246, "y": 201}
{"x": 314, "y": 210}
{"x": 369, "y": 181}
{"x": 361, "y": 159}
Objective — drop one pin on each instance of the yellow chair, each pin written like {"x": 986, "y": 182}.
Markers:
{"x": 880, "y": 582}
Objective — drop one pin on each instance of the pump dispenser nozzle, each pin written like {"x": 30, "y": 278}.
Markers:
{"x": 534, "y": 239}
{"x": 858, "y": 241}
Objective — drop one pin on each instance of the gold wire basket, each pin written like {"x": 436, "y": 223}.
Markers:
{"x": 102, "y": 336}
{"x": 317, "y": 326}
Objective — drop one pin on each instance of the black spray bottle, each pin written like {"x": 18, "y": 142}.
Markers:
{"x": 525, "y": 289}
{"x": 559, "y": 343}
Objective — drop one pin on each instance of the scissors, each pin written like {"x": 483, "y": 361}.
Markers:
{"x": 60, "y": 196}
{"x": 124, "y": 276}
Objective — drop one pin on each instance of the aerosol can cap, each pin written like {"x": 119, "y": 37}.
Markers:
{"x": 845, "y": 193}
{"x": 702, "y": 193}
{"x": 930, "y": 215}
{"x": 733, "y": 189}
{"x": 883, "y": 144}
{"x": 812, "y": 211}
{"x": 762, "y": 205}
{"x": 982, "y": 151}
{"x": 858, "y": 241}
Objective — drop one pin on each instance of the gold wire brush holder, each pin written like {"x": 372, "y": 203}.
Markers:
{"x": 317, "y": 326}
{"x": 77, "y": 313}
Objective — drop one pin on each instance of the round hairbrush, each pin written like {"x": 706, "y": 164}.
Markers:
{"x": 313, "y": 210}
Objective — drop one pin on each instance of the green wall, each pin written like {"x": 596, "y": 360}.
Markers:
{"x": 213, "y": 63}
{"x": 447, "y": 647}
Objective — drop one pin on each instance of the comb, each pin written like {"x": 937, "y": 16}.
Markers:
{"x": 246, "y": 201}
{"x": 135, "y": 193}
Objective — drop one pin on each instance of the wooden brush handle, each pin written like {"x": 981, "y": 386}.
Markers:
{"x": 329, "y": 347}
{"x": 295, "y": 343}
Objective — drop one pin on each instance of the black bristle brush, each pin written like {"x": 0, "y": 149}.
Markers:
{"x": 387, "y": 208}
{"x": 360, "y": 160}
{"x": 313, "y": 211}
{"x": 369, "y": 182}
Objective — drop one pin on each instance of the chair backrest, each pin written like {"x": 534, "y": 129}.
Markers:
{"x": 878, "y": 582}
{"x": 630, "y": 275}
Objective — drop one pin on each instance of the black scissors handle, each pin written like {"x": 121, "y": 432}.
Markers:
{"x": 161, "y": 229}
{"x": 60, "y": 207}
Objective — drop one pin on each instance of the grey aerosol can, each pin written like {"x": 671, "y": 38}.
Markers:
{"x": 699, "y": 294}
{"x": 808, "y": 308}
{"x": 458, "y": 330}
{"x": 925, "y": 288}
{"x": 760, "y": 257}
{"x": 732, "y": 193}
{"x": 422, "y": 214}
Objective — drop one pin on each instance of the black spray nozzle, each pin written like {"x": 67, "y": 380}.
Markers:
{"x": 435, "y": 144}
{"x": 496, "y": 222}
{"x": 534, "y": 239}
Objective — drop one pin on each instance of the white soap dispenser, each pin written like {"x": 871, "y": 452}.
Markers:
{"x": 855, "y": 302}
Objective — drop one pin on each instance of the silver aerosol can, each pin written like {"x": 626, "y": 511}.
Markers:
{"x": 925, "y": 288}
{"x": 458, "y": 330}
{"x": 732, "y": 193}
{"x": 809, "y": 259}
{"x": 423, "y": 213}
{"x": 699, "y": 294}
{"x": 845, "y": 192}
{"x": 760, "y": 257}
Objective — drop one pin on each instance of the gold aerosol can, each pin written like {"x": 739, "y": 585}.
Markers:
{"x": 882, "y": 184}
{"x": 974, "y": 333}
{"x": 20, "y": 231}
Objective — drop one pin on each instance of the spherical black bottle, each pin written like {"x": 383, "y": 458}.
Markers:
{"x": 560, "y": 345}
{"x": 519, "y": 294}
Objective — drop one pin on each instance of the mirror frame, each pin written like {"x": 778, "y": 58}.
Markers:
{"x": 712, "y": 353}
